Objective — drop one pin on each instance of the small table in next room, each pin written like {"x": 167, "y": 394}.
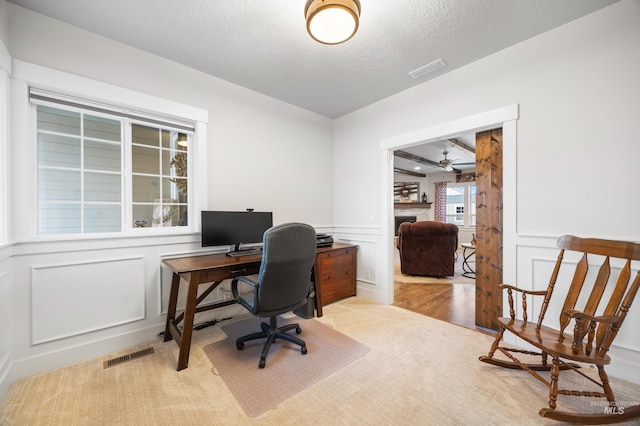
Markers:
{"x": 468, "y": 250}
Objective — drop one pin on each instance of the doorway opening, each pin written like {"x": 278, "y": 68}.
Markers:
{"x": 488, "y": 305}
{"x": 453, "y": 185}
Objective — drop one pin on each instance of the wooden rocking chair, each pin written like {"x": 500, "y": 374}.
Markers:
{"x": 589, "y": 327}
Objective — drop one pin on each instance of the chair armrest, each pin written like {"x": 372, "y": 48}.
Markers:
{"x": 234, "y": 286}
{"x": 510, "y": 289}
{"x": 586, "y": 326}
{"x": 534, "y": 293}
{"x": 608, "y": 319}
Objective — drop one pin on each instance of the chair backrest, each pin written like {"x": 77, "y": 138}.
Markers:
{"x": 427, "y": 248}
{"x": 619, "y": 298}
{"x": 443, "y": 234}
{"x": 289, "y": 251}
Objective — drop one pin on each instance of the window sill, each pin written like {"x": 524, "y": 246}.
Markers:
{"x": 75, "y": 243}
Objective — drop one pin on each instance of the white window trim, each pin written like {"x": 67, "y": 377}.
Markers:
{"x": 467, "y": 202}
{"x": 27, "y": 75}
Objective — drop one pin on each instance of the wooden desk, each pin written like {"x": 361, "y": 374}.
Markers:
{"x": 334, "y": 276}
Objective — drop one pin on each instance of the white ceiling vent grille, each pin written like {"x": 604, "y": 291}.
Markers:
{"x": 426, "y": 69}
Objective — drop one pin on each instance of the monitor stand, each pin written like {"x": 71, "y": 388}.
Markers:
{"x": 237, "y": 251}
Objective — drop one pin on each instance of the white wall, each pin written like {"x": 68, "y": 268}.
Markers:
{"x": 261, "y": 153}
{"x": 577, "y": 145}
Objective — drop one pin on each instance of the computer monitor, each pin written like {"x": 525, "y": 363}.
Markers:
{"x": 221, "y": 228}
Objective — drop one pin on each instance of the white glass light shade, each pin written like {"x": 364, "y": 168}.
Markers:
{"x": 332, "y": 21}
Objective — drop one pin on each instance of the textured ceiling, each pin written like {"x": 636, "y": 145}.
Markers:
{"x": 434, "y": 151}
{"x": 263, "y": 45}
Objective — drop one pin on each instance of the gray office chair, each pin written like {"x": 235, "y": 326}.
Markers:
{"x": 283, "y": 283}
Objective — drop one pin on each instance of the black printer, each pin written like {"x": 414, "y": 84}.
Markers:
{"x": 324, "y": 240}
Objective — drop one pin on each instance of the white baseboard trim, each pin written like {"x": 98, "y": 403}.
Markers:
{"x": 5, "y": 383}
{"x": 370, "y": 292}
{"x": 625, "y": 364}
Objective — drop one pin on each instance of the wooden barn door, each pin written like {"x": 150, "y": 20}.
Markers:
{"x": 488, "y": 227}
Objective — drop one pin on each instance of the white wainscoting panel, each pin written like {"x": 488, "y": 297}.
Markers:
{"x": 74, "y": 298}
{"x": 368, "y": 263}
{"x": 366, "y": 255}
{"x": 5, "y": 338}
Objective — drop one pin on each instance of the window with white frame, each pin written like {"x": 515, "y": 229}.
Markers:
{"x": 102, "y": 171}
{"x": 461, "y": 204}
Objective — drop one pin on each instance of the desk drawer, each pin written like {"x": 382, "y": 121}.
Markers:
{"x": 336, "y": 274}
{"x": 228, "y": 272}
{"x": 337, "y": 260}
{"x": 337, "y": 285}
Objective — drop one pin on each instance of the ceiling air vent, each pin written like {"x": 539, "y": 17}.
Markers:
{"x": 426, "y": 69}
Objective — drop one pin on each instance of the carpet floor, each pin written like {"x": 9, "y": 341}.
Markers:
{"x": 260, "y": 389}
{"x": 420, "y": 371}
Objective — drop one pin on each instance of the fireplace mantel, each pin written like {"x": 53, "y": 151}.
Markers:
{"x": 412, "y": 205}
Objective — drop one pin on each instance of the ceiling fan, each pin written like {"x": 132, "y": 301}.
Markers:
{"x": 447, "y": 164}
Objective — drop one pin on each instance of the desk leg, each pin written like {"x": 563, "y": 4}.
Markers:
{"x": 187, "y": 325}
{"x": 173, "y": 302}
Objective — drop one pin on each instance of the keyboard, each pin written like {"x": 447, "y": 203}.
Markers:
{"x": 244, "y": 252}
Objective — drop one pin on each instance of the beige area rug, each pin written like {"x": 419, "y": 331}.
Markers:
{"x": 287, "y": 371}
{"x": 458, "y": 278}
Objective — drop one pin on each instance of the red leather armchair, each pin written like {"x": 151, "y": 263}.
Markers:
{"x": 427, "y": 248}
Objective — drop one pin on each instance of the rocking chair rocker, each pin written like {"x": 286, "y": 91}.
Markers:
{"x": 566, "y": 349}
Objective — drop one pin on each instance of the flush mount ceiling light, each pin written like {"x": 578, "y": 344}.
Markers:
{"x": 332, "y": 21}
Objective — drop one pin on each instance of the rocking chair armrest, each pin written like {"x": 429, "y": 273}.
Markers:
{"x": 510, "y": 289}
{"x": 608, "y": 319}
{"x": 586, "y": 326}
{"x": 534, "y": 293}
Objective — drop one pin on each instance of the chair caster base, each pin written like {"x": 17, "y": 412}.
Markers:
{"x": 272, "y": 333}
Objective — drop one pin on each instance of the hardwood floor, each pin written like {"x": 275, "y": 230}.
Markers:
{"x": 454, "y": 303}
